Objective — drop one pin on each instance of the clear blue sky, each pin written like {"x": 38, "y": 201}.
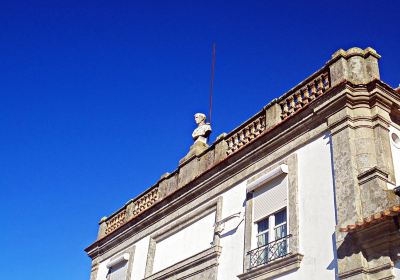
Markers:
{"x": 98, "y": 97}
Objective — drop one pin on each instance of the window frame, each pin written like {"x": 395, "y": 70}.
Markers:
{"x": 129, "y": 263}
{"x": 263, "y": 232}
{"x": 256, "y": 181}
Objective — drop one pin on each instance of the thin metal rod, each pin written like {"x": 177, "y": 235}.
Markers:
{"x": 212, "y": 81}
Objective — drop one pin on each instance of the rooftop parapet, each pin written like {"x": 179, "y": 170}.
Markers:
{"x": 354, "y": 65}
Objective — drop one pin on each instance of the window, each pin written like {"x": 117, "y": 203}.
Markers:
{"x": 118, "y": 267}
{"x": 263, "y": 232}
{"x": 272, "y": 227}
{"x": 280, "y": 227}
{"x": 271, "y": 239}
{"x": 118, "y": 272}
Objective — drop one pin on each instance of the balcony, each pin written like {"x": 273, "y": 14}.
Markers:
{"x": 272, "y": 260}
{"x": 272, "y": 251}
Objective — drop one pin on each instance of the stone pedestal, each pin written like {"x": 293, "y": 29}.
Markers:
{"x": 196, "y": 149}
{"x": 354, "y": 65}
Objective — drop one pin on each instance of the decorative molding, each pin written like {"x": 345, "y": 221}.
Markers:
{"x": 373, "y": 173}
{"x": 369, "y": 271}
{"x": 181, "y": 223}
{"x": 273, "y": 269}
{"x": 193, "y": 265}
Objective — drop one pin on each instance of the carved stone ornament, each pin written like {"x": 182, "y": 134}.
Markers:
{"x": 203, "y": 129}
{"x": 200, "y": 136}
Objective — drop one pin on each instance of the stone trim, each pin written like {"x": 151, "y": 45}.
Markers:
{"x": 248, "y": 224}
{"x": 292, "y": 207}
{"x": 273, "y": 269}
{"x": 190, "y": 266}
{"x": 94, "y": 269}
{"x": 373, "y": 173}
{"x": 183, "y": 222}
{"x": 131, "y": 252}
{"x": 370, "y": 271}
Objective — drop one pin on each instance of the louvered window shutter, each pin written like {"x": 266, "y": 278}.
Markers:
{"x": 270, "y": 198}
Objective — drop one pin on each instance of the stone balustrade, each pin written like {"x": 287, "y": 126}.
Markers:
{"x": 288, "y": 104}
{"x": 115, "y": 221}
{"x": 130, "y": 210}
{"x": 144, "y": 202}
{"x": 247, "y": 133}
{"x": 304, "y": 93}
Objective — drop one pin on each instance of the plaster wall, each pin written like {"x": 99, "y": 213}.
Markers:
{"x": 185, "y": 243}
{"x": 316, "y": 212}
{"x": 139, "y": 264}
{"x": 232, "y": 237}
{"x": 103, "y": 270}
{"x": 395, "y": 148}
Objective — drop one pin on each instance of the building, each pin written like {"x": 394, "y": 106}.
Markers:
{"x": 301, "y": 190}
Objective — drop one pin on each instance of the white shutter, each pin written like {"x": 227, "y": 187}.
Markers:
{"x": 119, "y": 271}
{"x": 270, "y": 198}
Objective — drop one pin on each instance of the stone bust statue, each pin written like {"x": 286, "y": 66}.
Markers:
{"x": 203, "y": 129}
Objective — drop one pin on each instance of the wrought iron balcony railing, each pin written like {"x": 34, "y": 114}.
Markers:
{"x": 269, "y": 252}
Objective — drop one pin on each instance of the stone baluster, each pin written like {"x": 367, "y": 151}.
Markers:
{"x": 258, "y": 126}
{"x": 306, "y": 96}
{"x": 299, "y": 100}
{"x": 247, "y": 134}
{"x": 239, "y": 140}
{"x": 325, "y": 78}
{"x": 291, "y": 104}
{"x": 236, "y": 141}
{"x": 242, "y": 137}
{"x": 229, "y": 142}
{"x": 252, "y": 131}
{"x": 320, "y": 86}
{"x": 262, "y": 123}
{"x": 313, "y": 90}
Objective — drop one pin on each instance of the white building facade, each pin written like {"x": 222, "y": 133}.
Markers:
{"x": 301, "y": 190}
